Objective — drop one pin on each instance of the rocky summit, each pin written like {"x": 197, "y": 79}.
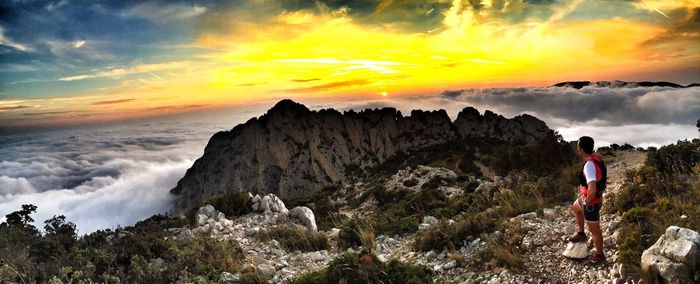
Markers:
{"x": 292, "y": 151}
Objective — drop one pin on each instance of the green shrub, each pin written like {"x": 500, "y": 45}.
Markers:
{"x": 451, "y": 235}
{"x": 366, "y": 268}
{"x": 410, "y": 182}
{"x": 253, "y": 278}
{"x": 356, "y": 232}
{"x": 677, "y": 158}
{"x": 295, "y": 238}
{"x": 232, "y": 203}
{"x": 502, "y": 248}
{"x": 400, "y": 272}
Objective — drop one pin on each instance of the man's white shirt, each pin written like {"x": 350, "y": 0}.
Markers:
{"x": 589, "y": 171}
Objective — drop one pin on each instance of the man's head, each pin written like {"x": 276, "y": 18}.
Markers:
{"x": 585, "y": 146}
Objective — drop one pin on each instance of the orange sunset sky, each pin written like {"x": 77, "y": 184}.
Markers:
{"x": 65, "y": 62}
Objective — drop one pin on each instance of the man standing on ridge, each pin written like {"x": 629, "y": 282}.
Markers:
{"x": 592, "y": 180}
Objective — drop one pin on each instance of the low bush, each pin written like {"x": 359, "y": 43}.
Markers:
{"x": 356, "y": 232}
{"x": 253, "y": 278}
{"x": 502, "y": 248}
{"x": 295, "y": 238}
{"x": 232, "y": 203}
{"x": 366, "y": 268}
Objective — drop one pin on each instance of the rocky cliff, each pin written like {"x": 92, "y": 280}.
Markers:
{"x": 292, "y": 151}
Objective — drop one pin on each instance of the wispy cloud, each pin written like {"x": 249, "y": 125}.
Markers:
{"x": 117, "y": 72}
{"x": 112, "y": 102}
{"x": 305, "y": 80}
{"x": 4, "y": 108}
{"x": 4, "y": 40}
{"x": 380, "y": 66}
{"x": 177, "y": 107}
{"x": 164, "y": 13}
{"x": 330, "y": 86}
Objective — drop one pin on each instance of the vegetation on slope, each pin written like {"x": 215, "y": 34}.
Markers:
{"x": 367, "y": 268}
{"x": 136, "y": 254}
{"x": 663, "y": 192}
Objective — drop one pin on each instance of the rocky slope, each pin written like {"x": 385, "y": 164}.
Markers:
{"x": 542, "y": 244}
{"x": 292, "y": 151}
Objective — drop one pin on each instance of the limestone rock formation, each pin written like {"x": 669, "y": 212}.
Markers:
{"x": 211, "y": 221}
{"x": 292, "y": 151}
{"x": 675, "y": 256}
{"x": 471, "y": 124}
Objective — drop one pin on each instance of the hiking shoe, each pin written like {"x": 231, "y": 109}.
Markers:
{"x": 596, "y": 258}
{"x": 579, "y": 237}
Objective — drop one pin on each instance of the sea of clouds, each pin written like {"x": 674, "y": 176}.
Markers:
{"x": 103, "y": 176}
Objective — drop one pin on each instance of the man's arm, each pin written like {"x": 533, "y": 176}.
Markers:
{"x": 591, "y": 191}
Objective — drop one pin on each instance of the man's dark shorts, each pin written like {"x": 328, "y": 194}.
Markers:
{"x": 591, "y": 212}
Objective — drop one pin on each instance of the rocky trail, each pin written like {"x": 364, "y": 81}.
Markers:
{"x": 542, "y": 245}
{"x": 546, "y": 238}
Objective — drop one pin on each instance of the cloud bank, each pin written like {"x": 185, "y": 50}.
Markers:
{"x": 104, "y": 176}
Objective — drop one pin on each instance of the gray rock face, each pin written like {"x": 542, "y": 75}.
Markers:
{"x": 674, "y": 257}
{"x": 292, "y": 151}
{"x": 306, "y": 216}
{"x": 471, "y": 124}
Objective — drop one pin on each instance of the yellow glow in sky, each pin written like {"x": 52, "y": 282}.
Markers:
{"x": 309, "y": 54}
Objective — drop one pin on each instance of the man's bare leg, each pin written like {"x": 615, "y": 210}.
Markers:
{"x": 594, "y": 227}
{"x": 579, "y": 215}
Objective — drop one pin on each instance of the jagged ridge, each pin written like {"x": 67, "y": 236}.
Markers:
{"x": 292, "y": 151}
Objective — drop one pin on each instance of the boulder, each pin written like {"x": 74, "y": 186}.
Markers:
{"x": 549, "y": 213}
{"x": 186, "y": 234}
{"x": 266, "y": 269}
{"x": 450, "y": 265}
{"x": 204, "y": 214}
{"x": 269, "y": 203}
{"x": 428, "y": 221}
{"x": 306, "y": 216}
{"x": 675, "y": 256}
{"x": 576, "y": 250}
{"x": 229, "y": 278}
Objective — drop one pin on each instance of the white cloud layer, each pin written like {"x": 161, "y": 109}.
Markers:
{"x": 104, "y": 176}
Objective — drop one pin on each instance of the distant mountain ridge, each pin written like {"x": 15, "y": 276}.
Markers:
{"x": 292, "y": 151}
{"x": 620, "y": 84}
